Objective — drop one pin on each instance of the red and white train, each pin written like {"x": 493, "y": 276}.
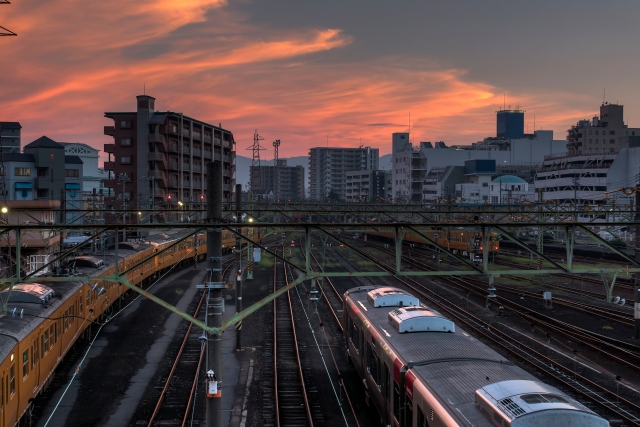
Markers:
{"x": 420, "y": 370}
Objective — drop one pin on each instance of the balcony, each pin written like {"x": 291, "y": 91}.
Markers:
{"x": 155, "y": 138}
{"x": 185, "y": 167}
{"x": 217, "y": 156}
{"x": 196, "y": 152}
{"x": 156, "y": 174}
{"x": 207, "y": 154}
{"x": 109, "y": 166}
{"x": 227, "y": 158}
{"x": 174, "y": 183}
{"x": 197, "y": 135}
{"x": 185, "y": 150}
{"x": 186, "y": 183}
{"x": 155, "y": 156}
{"x": 185, "y": 132}
{"x": 109, "y": 130}
{"x": 173, "y": 166}
{"x": 158, "y": 192}
{"x": 226, "y": 187}
{"x": 197, "y": 168}
{"x": 207, "y": 138}
{"x": 109, "y": 148}
{"x": 173, "y": 148}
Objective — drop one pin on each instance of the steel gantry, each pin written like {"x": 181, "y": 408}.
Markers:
{"x": 339, "y": 223}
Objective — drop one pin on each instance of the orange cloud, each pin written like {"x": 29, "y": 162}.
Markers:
{"x": 75, "y": 59}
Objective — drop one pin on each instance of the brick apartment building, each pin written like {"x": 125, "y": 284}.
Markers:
{"x": 164, "y": 154}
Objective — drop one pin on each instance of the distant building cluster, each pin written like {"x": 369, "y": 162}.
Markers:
{"x": 598, "y": 157}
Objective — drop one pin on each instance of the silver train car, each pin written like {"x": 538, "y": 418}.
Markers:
{"x": 420, "y": 370}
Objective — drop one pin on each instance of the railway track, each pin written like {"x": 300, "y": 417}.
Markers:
{"x": 175, "y": 403}
{"x": 556, "y": 366}
{"x": 619, "y": 351}
{"x": 292, "y": 404}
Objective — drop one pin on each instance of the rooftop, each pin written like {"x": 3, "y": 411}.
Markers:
{"x": 509, "y": 179}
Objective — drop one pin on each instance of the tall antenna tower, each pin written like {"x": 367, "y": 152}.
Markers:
{"x": 255, "y": 163}
{"x": 276, "y": 174}
{"x": 3, "y": 30}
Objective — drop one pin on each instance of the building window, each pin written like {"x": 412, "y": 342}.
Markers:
{"x": 612, "y": 132}
{"x": 23, "y": 172}
{"x": 125, "y": 160}
{"x": 42, "y": 172}
{"x": 125, "y": 123}
{"x": 590, "y": 141}
{"x": 596, "y": 140}
{"x": 596, "y": 132}
{"x": 125, "y": 142}
{"x": 72, "y": 173}
{"x": 590, "y": 132}
{"x": 25, "y": 363}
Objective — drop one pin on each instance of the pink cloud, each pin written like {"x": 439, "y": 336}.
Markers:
{"x": 75, "y": 59}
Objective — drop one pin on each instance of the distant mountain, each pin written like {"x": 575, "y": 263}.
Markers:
{"x": 243, "y": 166}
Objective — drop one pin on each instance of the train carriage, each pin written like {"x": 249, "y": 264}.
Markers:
{"x": 419, "y": 369}
{"x": 44, "y": 321}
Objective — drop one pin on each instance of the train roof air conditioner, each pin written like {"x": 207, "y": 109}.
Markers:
{"x": 391, "y": 297}
{"x": 419, "y": 319}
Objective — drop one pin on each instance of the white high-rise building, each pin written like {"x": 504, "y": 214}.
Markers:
{"x": 327, "y": 168}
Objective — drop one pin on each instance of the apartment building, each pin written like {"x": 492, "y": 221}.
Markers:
{"x": 367, "y": 186}
{"x": 42, "y": 172}
{"x": 606, "y": 133}
{"x": 10, "y": 137}
{"x": 158, "y": 155}
{"x": 327, "y": 168}
{"x": 280, "y": 183}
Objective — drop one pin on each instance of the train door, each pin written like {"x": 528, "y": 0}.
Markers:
{"x": 10, "y": 392}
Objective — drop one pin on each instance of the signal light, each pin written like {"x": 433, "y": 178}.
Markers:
{"x": 168, "y": 197}
{"x": 202, "y": 197}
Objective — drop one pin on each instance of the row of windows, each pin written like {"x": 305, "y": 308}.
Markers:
{"x": 611, "y": 141}
{"x": 43, "y": 172}
{"x": 381, "y": 375}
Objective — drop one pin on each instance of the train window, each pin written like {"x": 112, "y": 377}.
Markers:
{"x": 385, "y": 382}
{"x": 53, "y": 336}
{"x": 396, "y": 400}
{"x": 422, "y": 419}
{"x": 87, "y": 299}
{"x": 1, "y": 394}
{"x": 45, "y": 342}
{"x": 25, "y": 363}
{"x": 34, "y": 353}
{"x": 408, "y": 419}
{"x": 12, "y": 379}
{"x": 361, "y": 342}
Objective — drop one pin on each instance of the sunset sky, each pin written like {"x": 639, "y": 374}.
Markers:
{"x": 302, "y": 71}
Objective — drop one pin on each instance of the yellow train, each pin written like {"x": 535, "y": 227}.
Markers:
{"x": 42, "y": 322}
{"x": 456, "y": 240}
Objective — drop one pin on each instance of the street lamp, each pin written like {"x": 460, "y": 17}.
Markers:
{"x": 5, "y": 210}
{"x": 180, "y": 204}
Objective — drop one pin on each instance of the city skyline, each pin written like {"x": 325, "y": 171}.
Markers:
{"x": 305, "y": 73}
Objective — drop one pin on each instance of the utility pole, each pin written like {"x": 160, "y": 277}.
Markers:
{"x": 214, "y": 289}
{"x": 239, "y": 266}
{"x": 256, "y": 177}
{"x": 276, "y": 175}
{"x": 636, "y": 306}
